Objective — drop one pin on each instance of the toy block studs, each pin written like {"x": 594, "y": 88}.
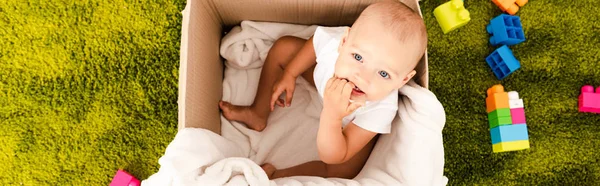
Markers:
{"x": 503, "y": 62}
{"x": 589, "y": 101}
{"x": 506, "y": 116}
{"x": 451, "y": 15}
{"x": 510, "y": 6}
{"x": 506, "y": 30}
{"x": 123, "y": 178}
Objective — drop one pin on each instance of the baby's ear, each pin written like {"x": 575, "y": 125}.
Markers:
{"x": 343, "y": 40}
{"x": 408, "y": 76}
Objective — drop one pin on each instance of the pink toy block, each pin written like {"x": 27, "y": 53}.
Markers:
{"x": 589, "y": 101}
{"x": 123, "y": 178}
{"x": 518, "y": 116}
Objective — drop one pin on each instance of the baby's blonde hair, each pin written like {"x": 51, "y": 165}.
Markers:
{"x": 405, "y": 24}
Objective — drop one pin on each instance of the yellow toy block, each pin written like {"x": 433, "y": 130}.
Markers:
{"x": 511, "y": 146}
{"x": 497, "y": 98}
{"x": 451, "y": 15}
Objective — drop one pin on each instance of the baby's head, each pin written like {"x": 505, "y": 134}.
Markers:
{"x": 381, "y": 50}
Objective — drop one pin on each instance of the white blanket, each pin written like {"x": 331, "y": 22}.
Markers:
{"x": 412, "y": 154}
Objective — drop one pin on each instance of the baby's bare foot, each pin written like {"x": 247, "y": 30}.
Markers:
{"x": 243, "y": 114}
{"x": 269, "y": 169}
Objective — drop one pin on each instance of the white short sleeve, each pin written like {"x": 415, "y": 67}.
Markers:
{"x": 327, "y": 39}
{"x": 377, "y": 120}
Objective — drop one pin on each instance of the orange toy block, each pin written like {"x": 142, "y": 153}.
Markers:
{"x": 510, "y": 6}
{"x": 496, "y": 98}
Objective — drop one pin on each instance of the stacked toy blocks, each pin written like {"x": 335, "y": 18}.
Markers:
{"x": 510, "y": 6}
{"x": 451, "y": 15}
{"x": 506, "y": 116}
{"x": 503, "y": 62}
{"x": 123, "y": 178}
{"x": 506, "y": 30}
{"x": 589, "y": 101}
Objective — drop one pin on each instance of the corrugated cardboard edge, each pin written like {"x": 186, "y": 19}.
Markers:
{"x": 185, "y": 22}
{"x": 424, "y": 60}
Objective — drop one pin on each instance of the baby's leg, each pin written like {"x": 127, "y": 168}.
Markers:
{"x": 255, "y": 116}
{"x": 347, "y": 170}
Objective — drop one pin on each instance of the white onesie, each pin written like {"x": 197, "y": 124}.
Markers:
{"x": 374, "y": 116}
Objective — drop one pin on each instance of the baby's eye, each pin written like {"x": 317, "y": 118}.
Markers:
{"x": 384, "y": 74}
{"x": 358, "y": 57}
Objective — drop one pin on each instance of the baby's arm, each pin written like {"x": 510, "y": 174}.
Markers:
{"x": 334, "y": 144}
{"x": 338, "y": 146}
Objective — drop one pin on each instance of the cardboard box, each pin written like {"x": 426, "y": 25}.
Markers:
{"x": 204, "y": 21}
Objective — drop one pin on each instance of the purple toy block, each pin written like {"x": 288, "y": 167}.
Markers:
{"x": 123, "y": 178}
{"x": 518, "y": 116}
{"x": 589, "y": 101}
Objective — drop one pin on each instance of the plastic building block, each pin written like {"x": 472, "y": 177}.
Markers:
{"x": 510, "y": 146}
{"x": 499, "y": 117}
{"x": 518, "y": 116}
{"x": 514, "y": 101}
{"x": 498, "y": 113}
{"x": 506, "y": 30}
{"x": 503, "y": 62}
{"x": 517, "y": 110}
{"x": 451, "y": 15}
{"x": 123, "y": 178}
{"x": 510, "y": 6}
{"x": 501, "y": 121}
{"x": 589, "y": 101}
{"x": 508, "y": 133}
{"x": 496, "y": 98}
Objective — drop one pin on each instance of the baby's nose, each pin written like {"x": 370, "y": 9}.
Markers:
{"x": 362, "y": 77}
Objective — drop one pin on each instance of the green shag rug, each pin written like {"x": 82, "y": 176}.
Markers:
{"x": 88, "y": 87}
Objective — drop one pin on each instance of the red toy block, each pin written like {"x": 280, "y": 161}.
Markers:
{"x": 518, "y": 116}
{"x": 123, "y": 178}
{"x": 589, "y": 101}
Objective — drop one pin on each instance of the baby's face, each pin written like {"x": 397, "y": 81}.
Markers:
{"x": 375, "y": 61}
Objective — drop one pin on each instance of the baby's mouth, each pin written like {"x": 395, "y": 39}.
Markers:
{"x": 356, "y": 91}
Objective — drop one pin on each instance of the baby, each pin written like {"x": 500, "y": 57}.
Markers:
{"x": 357, "y": 71}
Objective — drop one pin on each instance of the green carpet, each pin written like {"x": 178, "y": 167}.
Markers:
{"x": 89, "y": 87}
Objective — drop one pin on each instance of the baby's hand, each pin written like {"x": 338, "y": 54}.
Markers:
{"x": 287, "y": 84}
{"x": 336, "y": 99}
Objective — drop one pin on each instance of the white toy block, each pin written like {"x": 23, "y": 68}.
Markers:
{"x": 514, "y": 101}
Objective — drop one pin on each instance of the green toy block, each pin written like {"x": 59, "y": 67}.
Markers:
{"x": 451, "y": 15}
{"x": 500, "y": 121}
{"x": 501, "y": 112}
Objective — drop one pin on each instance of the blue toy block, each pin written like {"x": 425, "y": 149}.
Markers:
{"x": 508, "y": 133}
{"x": 503, "y": 62}
{"x": 506, "y": 30}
